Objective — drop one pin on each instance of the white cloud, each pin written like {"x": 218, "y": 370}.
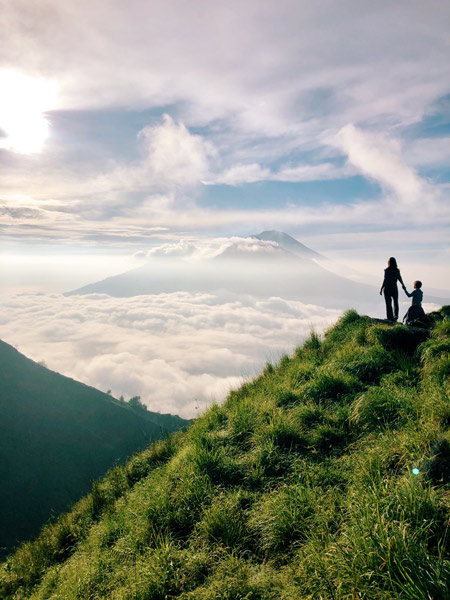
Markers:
{"x": 317, "y": 172}
{"x": 176, "y": 351}
{"x": 252, "y": 86}
{"x": 379, "y": 158}
{"x": 242, "y": 174}
{"x": 407, "y": 196}
{"x": 171, "y": 158}
{"x": 174, "y": 155}
{"x": 267, "y": 67}
{"x": 172, "y": 161}
{"x": 252, "y": 173}
{"x": 208, "y": 248}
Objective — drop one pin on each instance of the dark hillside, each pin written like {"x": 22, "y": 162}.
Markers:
{"x": 327, "y": 477}
{"x": 56, "y": 436}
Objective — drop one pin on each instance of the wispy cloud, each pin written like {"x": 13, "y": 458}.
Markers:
{"x": 380, "y": 158}
{"x": 251, "y": 173}
{"x": 429, "y": 152}
{"x": 257, "y": 62}
{"x": 254, "y": 94}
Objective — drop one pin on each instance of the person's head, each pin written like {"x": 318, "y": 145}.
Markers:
{"x": 392, "y": 262}
{"x": 417, "y": 285}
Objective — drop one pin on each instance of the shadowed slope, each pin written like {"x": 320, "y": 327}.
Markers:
{"x": 56, "y": 436}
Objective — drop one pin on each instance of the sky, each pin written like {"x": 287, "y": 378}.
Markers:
{"x": 128, "y": 126}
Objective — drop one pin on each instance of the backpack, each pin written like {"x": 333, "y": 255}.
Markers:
{"x": 413, "y": 313}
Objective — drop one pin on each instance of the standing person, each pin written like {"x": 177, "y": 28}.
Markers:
{"x": 391, "y": 276}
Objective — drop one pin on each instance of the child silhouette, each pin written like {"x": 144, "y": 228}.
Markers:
{"x": 415, "y": 311}
{"x": 416, "y": 295}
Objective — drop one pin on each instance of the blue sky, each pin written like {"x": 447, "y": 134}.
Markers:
{"x": 124, "y": 126}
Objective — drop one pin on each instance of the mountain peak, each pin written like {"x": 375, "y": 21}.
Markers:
{"x": 287, "y": 242}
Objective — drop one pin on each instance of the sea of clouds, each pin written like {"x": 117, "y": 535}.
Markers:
{"x": 180, "y": 352}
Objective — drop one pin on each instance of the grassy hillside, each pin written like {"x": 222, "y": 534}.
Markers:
{"x": 327, "y": 477}
{"x": 56, "y": 436}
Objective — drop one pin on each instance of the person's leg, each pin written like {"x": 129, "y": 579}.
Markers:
{"x": 395, "y": 298}
{"x": 388, "y": 300}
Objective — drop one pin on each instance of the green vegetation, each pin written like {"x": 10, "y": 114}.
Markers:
{"x": 56, "y": 436}
{"x": 327, "y": 477}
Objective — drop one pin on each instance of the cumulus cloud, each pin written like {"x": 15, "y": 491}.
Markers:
{"x": 174, "y": 154}
{"x": 208, "y": 248}
{"x": 177, "y": 351}
{"x": 171, "y": 157}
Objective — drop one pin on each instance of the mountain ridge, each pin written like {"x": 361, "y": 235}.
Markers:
{"x": 286, "y": 241}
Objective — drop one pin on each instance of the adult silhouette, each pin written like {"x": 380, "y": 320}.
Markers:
{"x": 389, "y": 287}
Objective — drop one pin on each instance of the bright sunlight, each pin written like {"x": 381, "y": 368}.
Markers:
{"x": 24, "y": 101}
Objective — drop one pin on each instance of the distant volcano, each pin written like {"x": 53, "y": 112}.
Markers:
{"x": 271, "y": 263}
{"x": 287, "y": 242}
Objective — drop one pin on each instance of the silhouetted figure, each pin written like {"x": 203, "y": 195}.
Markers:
{"x": 391, "y": 276}
{"x": 415, "y": 311}
{"x": 416, "y": 294}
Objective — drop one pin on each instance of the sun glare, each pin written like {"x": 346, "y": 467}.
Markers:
{"x": 24, "y": 101}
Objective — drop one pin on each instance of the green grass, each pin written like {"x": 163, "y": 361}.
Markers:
{"x": 326, "y": 477}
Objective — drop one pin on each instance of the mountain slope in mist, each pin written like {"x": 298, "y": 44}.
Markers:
{"x": 269, "y": 264}
{"x": 56, "y": 436}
